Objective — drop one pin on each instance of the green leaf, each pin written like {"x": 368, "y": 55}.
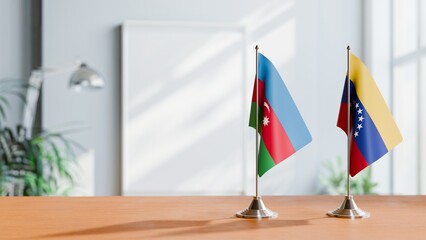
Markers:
{"x": 2, "y": 113}
{"x": 30, "y": 182}
{"x": 4, "y": 101}
{"x": 48, "y": 160}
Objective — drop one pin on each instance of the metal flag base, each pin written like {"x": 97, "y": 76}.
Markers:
{"x": 257, "y": 209}
{"x": 348, "y": 209}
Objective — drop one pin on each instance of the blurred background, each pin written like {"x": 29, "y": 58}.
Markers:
{"x": 172, "y": 115}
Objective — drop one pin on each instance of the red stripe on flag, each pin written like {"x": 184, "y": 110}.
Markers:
{"x": 358, "y": 161}
{"x": 274, "y": 136}
{"x": 342, "y": 120}
{"x": 261, "y": 92}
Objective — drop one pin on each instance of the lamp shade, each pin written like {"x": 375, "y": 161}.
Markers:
{"x": 86, "y": 77}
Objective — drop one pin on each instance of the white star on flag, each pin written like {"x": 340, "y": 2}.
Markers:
{"x": 265, "y": 121}
{"x": 359, "y": 125}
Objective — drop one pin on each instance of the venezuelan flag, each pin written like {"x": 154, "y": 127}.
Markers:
{"x": 373, "y": 130}
{"x": 281, "y": 126}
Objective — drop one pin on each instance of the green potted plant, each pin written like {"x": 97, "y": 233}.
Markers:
{"x": 42, "y": 164}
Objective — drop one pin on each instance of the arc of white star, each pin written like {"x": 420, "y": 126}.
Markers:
{"x": 356, "y": 134}
{"x": 359, "y": 126}
{"x": 265, "y": 121}
{"x": 360, "y": 118}
{"x": 360, "y": 111}
{"x": 357, "y": 105}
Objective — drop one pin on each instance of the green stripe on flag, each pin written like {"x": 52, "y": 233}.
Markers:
{"x": 265, "y": 160}
{"x": 252, "y": 120}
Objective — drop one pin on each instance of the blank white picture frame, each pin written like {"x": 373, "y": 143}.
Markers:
{"x": 184, "y": 109}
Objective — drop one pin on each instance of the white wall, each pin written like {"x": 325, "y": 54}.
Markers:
{"x": 400, "y": 78}
{"x": 377, "y": 57}
{"x": 340, "y": 24}
{"x": 306, "y": 40}
{"x": 15, "y": 47}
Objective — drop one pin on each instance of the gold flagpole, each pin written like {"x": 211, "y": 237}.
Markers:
{"x": 348, "y": 209}
{"x": 257, "y": 208}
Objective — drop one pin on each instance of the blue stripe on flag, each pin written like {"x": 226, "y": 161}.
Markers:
{"x": 369, "y": 140}
{"x": 283, "y": 105}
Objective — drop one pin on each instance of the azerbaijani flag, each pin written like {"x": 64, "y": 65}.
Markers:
{"x": 281, "y": 126}
{"x": 373, "y": 130}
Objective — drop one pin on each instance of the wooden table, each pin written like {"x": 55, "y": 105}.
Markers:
{"x": 302, "y": 217}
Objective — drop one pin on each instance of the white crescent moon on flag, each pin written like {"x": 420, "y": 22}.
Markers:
{"x": 267, "y": 107}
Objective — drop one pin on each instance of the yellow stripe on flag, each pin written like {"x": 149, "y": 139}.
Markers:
{"x": 373, "y": 102}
